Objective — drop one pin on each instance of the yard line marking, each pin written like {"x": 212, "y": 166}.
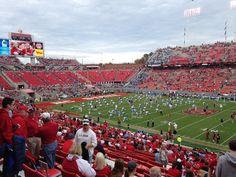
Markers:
{"x": 159, "y": 116}
{"x": 228, "y": 138}
{"x": 205, "y": 118}
{"x": 211, "y": 129}
{"x": 171, "y": 121}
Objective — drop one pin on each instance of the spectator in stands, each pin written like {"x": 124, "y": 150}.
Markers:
{"x": 6, "y": 133}
{"x": 48, "y": 134}
{"x": 173, "y": 171}
{"x": 100, "y": 148}
{"x": 226, "y": 165}
{"x": 189, "y": 173}
{"x": 131, "y": 169}
{"x": 101, "y": 167}
{"x": 163, "y": 155}
{"x": 20, "y": 135}
{"x": 34, "y": 143}
{"x": 118, "y": 169}
{"x": 75, "y": 164}
{"x": 155, "y": 172}
{"x": 86, "y": 134}
{"x": 85, "y": 152}
{"x": 69, "y": 138}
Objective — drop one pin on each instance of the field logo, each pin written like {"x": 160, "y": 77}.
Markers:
{"x": 100, "y": 97}
{"x": 63, "y": 102}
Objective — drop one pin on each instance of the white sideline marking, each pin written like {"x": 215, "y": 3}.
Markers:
{"x": 211, "y": 129}
{"x": 228, "y": 138}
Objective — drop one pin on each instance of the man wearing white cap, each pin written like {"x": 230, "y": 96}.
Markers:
{"x": 85, "y": 134}
{"x": 48, "y": 134}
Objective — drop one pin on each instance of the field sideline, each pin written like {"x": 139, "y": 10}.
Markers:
{"x": 136, "y": 110}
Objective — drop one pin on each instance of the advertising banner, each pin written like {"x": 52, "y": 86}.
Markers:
{"x": 38, "y": 49}
{"x": 4, "y": 47}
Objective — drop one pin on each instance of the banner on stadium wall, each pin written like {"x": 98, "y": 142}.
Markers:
{"x": 38, "y": 49}
{"x": 21, "y": 37}
{"x": 21, "y": 48}
{"x": 4, "y": 47}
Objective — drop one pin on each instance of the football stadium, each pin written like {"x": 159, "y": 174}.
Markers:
{"x": 113, "y": 89}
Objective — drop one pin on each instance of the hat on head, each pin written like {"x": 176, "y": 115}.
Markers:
{"x": 132, "y": 165}
{"x": 23, "y": 108}
{"x": 69, "y": 136}
{"x": 45, "y": 115}
{"x": 179, "y": 160}
{"x": 85, "y": 122}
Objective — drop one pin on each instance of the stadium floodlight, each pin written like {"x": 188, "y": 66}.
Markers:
{"x": 192, "y": 12}
{"x": 233, "y": 4}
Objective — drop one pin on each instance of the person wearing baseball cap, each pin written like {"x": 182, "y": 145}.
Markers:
{"x": 48, "y": 134}
{"x": 86, "y": 134}
{"x": 131, "y": 169}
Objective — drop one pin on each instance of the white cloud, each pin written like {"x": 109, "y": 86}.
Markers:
{"x": 117, "y": 28}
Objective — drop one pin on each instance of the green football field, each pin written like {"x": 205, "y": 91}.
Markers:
{"x": 136, "y": 110}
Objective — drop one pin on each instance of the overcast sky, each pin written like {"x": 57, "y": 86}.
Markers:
{"x": 95, "y": 31}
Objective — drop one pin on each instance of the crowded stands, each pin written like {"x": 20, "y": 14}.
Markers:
{"x": 216, "y": 53}
{"x": 109, "y": 152}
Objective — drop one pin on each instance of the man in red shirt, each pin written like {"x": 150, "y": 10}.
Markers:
{"x": 174, "y": 171}
{"x": 34, "y": 143}
{"x": 48, "y": 134}
{"x": 20, "y": 135}
{"x": 6, "y": 133}
{"x": 69, "y": 140}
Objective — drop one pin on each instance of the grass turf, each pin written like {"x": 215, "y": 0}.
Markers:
{"x": 190, "y": 126}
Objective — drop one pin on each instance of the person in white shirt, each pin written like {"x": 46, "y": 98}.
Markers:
{"x": 75, "y": 164}
{"x": 86, "y": 134}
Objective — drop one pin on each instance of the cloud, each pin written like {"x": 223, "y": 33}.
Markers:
{"x": 116, "y": 28}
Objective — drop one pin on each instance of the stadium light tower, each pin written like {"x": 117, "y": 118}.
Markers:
{"x": 189, "y": 12}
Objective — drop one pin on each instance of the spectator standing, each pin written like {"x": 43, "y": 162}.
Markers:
{"x": 20, "y": 136}
{"x": 48, "y": 134}
{"x": 34, "y": 143}
{"x": 6, "y": 134}
{"x": 86, "y": 134}
{"x": 163, "y": 155}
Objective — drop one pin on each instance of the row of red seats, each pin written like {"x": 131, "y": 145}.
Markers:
{"x": 99, "y": 76}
